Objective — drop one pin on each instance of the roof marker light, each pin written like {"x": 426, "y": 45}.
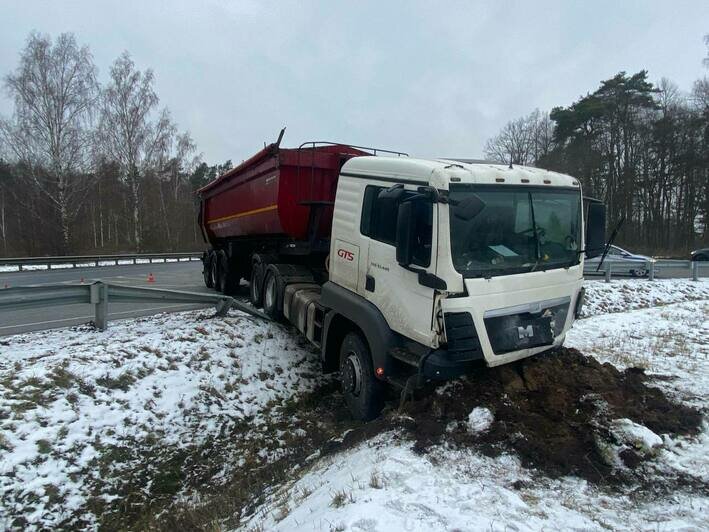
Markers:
{"x": 500, "y": 179}
{"x": 547, "y": 182}
{"x": 525, "y": 180}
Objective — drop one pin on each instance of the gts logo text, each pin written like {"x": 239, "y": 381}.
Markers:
{"x": 344, "y": 254}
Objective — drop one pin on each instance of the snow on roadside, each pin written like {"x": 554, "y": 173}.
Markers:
{"x": 384, "y": 485}
{"x": 631, "y": 294}
{"x": 672, "y": 341}
{"x": 70, "y": 398}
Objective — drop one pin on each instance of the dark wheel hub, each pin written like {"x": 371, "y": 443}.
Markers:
{"x": 352, "y": 375}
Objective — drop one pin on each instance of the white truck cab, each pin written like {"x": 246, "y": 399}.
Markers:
{"x": 439, "y": 266}
{"x": 493, "y": 265}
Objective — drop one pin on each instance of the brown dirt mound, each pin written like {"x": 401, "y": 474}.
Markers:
{"x": 554, "y": 412}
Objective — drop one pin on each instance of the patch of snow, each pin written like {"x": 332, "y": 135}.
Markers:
{"x": 635, "y": 435}
{"x": 69, "y": 396}
{"x": 450, "y": 489}
{"x": 480, "y": 419}
{"x": 631, "y": 294}
{"x": 669, "y": 341}
{"x": 6, "y": 269}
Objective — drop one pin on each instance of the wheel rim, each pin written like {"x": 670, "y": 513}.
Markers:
{"x": 270, "y": 292}
{"x": 352, "y": 375}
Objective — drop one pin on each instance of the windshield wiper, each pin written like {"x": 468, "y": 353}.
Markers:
{"x": 537, "y": 245}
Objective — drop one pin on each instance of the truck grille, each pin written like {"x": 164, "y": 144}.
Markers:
{"x": 526, "y": 326}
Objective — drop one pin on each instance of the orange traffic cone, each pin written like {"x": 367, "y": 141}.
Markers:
{"x": 151, "y": 278}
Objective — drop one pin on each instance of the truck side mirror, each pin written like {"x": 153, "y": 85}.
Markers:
{"x": 405, "y": 233}
{"x": 595, "y": 230}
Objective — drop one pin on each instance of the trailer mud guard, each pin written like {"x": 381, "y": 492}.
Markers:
{"x": 365, "y": 316}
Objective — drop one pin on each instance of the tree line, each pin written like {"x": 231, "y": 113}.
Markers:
{"x": 641, "y": 148}
{"x": 90, "y": 167}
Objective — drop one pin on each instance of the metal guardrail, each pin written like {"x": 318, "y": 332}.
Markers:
{"x": 695, "y": 269}
{"x": 99, "y": 294}
{"x": 20, "y": 262}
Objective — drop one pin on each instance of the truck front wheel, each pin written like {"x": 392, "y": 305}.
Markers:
{"x": 364, "y": 394}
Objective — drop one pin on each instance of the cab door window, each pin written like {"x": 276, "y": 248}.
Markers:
{"x": 379, "y": 223}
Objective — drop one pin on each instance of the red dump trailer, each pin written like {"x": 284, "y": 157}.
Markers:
{"x": 275, "y": 204}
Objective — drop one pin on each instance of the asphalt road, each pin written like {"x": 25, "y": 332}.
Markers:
{"x": 185, "y": 276}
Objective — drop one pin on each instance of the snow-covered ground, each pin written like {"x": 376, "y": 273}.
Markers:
{"x": 87, "y": 417}
{"x": 384, "y": 485}
{"x": 68, "y": 398}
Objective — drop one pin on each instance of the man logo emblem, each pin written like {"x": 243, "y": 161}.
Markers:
{"x": 525, "y": 332}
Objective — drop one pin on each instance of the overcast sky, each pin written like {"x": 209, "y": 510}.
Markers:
{"x": 430, "y": 78}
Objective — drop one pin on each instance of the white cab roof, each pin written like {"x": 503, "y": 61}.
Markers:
{"x": 440, "y": 172}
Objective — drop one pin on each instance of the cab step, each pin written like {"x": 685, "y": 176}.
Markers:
{"x": 405, "y": 356}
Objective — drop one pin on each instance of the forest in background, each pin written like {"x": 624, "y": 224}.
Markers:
{"x": 87, "y": 167}
{"x": 641, "y": 148}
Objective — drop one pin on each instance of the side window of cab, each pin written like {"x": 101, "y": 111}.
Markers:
{"x": 379, "y": 223}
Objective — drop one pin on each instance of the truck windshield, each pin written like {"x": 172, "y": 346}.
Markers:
{"x": 500, "y": 230}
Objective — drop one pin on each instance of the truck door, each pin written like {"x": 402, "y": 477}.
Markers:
{"x": 405, "y": 303}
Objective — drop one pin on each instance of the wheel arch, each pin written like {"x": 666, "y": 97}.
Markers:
{"x": 351, "y": 312}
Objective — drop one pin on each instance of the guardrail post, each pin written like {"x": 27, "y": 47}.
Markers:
{"x": 695, "y": 270}
{"x": 99, "y": 298}
{"x": 608, "y": 273}
{"x": 651, "y": 274}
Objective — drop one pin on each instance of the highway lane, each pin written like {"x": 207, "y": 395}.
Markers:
{"x": 185, "y": 275}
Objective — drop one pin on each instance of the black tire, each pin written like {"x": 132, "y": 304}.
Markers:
{"x": 207, "y": 269}
{"x": 224, "y": 273}
{"x": 364, "y": 394}
{"x": 214, "y": 270}
{"x": 273, "y": 294}
{"x": 256, "y": 285}
{"x": 639, "y": 272}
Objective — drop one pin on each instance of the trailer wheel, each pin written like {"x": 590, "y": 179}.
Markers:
{"x": 364, "y": 394}
{"x": 207, "y": 269}
{"x": 273, "y": 293}
{"x": 256, "y": 285}
{"x": 214, "y": 271}
{"x": 224, "y": 284}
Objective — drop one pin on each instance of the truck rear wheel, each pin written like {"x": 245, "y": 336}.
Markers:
{"x": 273, "y": 293}
{"x": 214, "y": 271}
{"x": 364, "y": 394}
{"x": 228, "y": 277}
{"x": 256, "y": 285}
{"x": 207, "y": 269}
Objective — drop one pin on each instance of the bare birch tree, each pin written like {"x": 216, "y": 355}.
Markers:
{"x": 128, "y": 133}
{"x": 54, "y": 90}
{"x": 522, "y": 141}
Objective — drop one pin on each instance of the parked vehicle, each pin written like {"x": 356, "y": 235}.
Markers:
{"x": 622, "y": 261}
{"x": 401, "y": 270}
{"x": 700, "y": 254}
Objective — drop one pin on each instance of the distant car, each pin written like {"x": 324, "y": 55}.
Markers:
{"x": 700, "y": 254}
{"x": 621, "y": 261}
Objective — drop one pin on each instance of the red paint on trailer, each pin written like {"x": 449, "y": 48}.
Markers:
{"x": 268, "y": 193}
